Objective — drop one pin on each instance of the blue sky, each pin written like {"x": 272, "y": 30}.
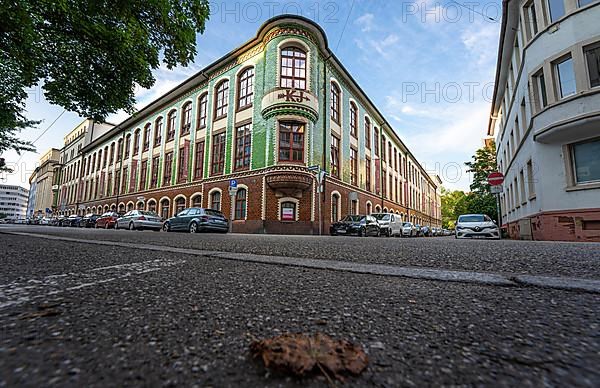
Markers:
{"x": 429, "y": 67}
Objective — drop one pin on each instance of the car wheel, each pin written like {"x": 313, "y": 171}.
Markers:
{"x": 116, "y": 225}
{"x": 166, "y": 227}
{"x": 95, "y": 226}
{"x": 361, "y": 232}
{"x": 193, "y": 227}
{"x": 106, "y": 226}
{"x": 131, "y": 226}
{"x": 379, "y": 233}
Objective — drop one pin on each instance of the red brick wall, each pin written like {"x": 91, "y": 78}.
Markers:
{"x": 569, "y": 225}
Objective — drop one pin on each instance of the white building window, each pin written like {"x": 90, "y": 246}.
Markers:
{"x": 565, "y": 77}
{"x": 586, "y": 161}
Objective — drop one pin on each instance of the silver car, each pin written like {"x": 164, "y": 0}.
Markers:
{"x": 476, "y": 226}
{"x": 139, "y": 219}
{"x": 409, "y": 230}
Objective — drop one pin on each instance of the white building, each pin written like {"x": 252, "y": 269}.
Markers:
{"x": 13, "y": 201}
{"x": 546, "y": 119}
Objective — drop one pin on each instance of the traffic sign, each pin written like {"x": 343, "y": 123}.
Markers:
{"x": 232, "y": 191}
{"x": 233, "y": 183}
{"x": 315, "y": 167}
{"x": 495, "y": 178}
{"x": 496, "y": 189}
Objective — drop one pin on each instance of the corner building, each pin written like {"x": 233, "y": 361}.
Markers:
{"x": 546, "y": 119}
{"x": 261, "y": 115}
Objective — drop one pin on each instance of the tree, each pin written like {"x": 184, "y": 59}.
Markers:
{"x": 453, "y": 205}
{"x": 88, "y": 56}
{"x": 480, "y": 200}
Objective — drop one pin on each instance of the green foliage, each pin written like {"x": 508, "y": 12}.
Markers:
{"x": 480, "y": 200}
{"x": 453, "y": 205}
{"x": 88, "y": 56}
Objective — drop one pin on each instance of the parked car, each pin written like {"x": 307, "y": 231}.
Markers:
{"x": 418, "y": 230}
{"x": 476, "y": 225}
{"x": 197, "y": 219}
{"x": 389, "y": 224}
{"x": 73, "y": 220}
{"x": 409, "y": 230}
{"x": 138, "y": 220}
{"x": 361, "y": 225}
{"x": 107, "y": 220}
{"x": 426, "y": 231}
{"x": 89, "y": 220}
{"x": 63, "y": 221}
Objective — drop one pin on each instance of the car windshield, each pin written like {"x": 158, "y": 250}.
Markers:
{"x": 353, "y": 218}
{"x": 407, "y": 224}
{"x": 381, "y": 216}
{"x": 471, "y": 218}
{"x": 211, "y": 212}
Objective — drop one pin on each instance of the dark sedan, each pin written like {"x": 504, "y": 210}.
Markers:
{"x": 89, "y": 221}
{"x": 360, "y": 225}
{"x": 196, "y": 219}
{"x": 73, "y": 220}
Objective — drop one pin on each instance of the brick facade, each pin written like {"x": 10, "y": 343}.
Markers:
{"x": 569, "y": 225}
{"x": 269, "y": 178}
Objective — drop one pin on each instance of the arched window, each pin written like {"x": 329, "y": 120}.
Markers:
{"x": 293, "y": 68}
{"x": 335, "y": 211}
{"x": 335, "y": 102}
{"x": 105, "y": 157}
{"x": 146, "y": 137}
{"x": 120, "y": 150}
{"x": 240, "y": 204}
{"x": 246, "y": 88}
{"x": 197, "y": 201}
{"x": 288, "y": 211}
{"x": 186, "y": 119}
{"x": 179, "y": 204}
{"x": 112, "y": 153}
{"x": 130, "y": 206}
{"x": 152, "y": 206}
{"x": 367, "y": 133}
{"x": 171, "y": 122}
{"x": 127, "y": 145}
{"x": 215, "y": 201}
{"x": 353, "y": 119}
{"x": 221, "y": 99}
{"x": 202, "y": 111}
{"x": 140, "y": 205}
{"x": 369, "y": 208}
{"x": 164, "y": 208}
{"x": 136, "y": 141}
{"x": 291, "y": 141}
{"x": 158, "y": 128}
{"x": 354, "y": 207}
{"x": 121, "y": 208}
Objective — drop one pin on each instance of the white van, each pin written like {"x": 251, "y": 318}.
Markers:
{"x": 389, "y": 223}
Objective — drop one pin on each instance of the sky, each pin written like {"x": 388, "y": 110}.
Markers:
{"x": 428, "y": 66}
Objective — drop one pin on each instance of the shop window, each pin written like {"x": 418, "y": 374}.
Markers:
{"x": 288, "y": 211}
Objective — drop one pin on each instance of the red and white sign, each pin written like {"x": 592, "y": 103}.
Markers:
{"x": 495, "y": 178}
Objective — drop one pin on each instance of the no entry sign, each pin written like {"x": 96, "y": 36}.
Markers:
{"x": 495, "y": 178}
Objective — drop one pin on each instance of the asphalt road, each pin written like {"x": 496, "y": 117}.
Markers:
{"x": 84, "y": 314}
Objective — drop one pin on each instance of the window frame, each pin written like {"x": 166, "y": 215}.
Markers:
{"x": 245, "y": 93}
{"x": 592, "y": 47}
{"x": 202, "y": 111}
{"x": 291, "y": 148}
{"x": 367, "y": 133}
{"x": 335, "y": 156}
{"x": 353, "y": 120}
{"x": 171, "y": 123}
{"x": 221, "y": 101}
{"x": 242, "y": 161}
{"x": 241, "y": 204}
{"x": 335, "y": 105}
{"x": 213, "y": 195}
{"x": 218, "y": 158}
{"x": 199, "y": 167}
{"x": 557, "y": 76}
{"x": 296, "y": 81}
{"x": 186, "y": 119}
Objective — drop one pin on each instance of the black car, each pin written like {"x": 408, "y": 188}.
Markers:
{"x": 73, "y": 220}
{"x": 197, "y": 219}
{"x": 89, "y": 220}
{"x": 361, "y": 225}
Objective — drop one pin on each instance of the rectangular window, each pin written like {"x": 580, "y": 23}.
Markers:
{"x": 376, "y": 141}
{"x": 353, "y": 166}
{"x": 243, "y": 139}
{"x": 123, "y": 179}
{"x": 516, "y": 193}
{"x": 531, "y": 20}
{"x": 565, "y": 77}
{"x": 368, "y": 174}
{"x": 382, "y": 148}
{"x": 556, "y": 9}
{"x": 530, "y": 181}
{"x": 592, "y": 57}
{"x": 367, "y": 133}
{"x": 155, "y": 164}
{"x": 199, "y": 160}
{"x": 335, "y": 156}
{"x": 522, "y": 187}
{"x": 182, "y": 172}
{"x": 117, "y": 180}
{"x": 539, "y": 90}
{"x": 144, "y": 171}
{"x": 583, "y": 3}
{"x": 586, "y": 161}
{"x": 168, "y": 169}
{"x": 109, "y": 186}
{"x": 218, "y": 154}
{"x": 291, "y": 142}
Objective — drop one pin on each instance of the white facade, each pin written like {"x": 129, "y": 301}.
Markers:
{"x": 13, "y": 201}
{"x": 546, "y": 118}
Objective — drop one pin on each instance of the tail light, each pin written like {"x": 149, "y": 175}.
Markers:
{"x": 142, "y": 218}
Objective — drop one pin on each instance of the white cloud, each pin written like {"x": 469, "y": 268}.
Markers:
{"x": 366, "y": 22}
{"x": 481, "y": 40}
